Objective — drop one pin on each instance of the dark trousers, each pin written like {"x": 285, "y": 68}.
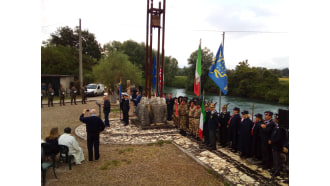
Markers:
{"x": 266, "y": 150}
{"x": 234, "y": 145}
{"x": 206, "y": 135}
{"x": 73, "y": 98}
{"x": 83, "y": 99}
{"x": 277, "y": 163}
{"x": 50, "y": 102}
{"x": 223, "y": 136}
{"x": 62, "y": 100}
{"x": 93, "y": 140}
{"x": 212, "y": 138}
{"x": 106, "y": 119}
{"x": 125, "y": 117}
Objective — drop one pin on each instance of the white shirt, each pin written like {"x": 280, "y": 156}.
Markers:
{"x": 70, "y": 141}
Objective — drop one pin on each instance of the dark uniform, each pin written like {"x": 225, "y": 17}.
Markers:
{"x": 212, "y": 127}
{"x": 73, "y": 95}
{"x": 224, "y": 118}
{"x": 234, "y": 128}
{"x": 125, "y": 111}
{"x": 255, "y": 143}
{"x": 205, "y": 125}
{"x": 50, "y": 97}
{"x": 266, "y": 148}
{"x": 169, "y": 103}
{"x": 106, "y": 112}
{"x": 278, "y": 139}
{"x": 245, "y": 136}
{"x": 43, "y": 91}
{"x": 83, "y": 91}
{"x": 62, "y": 96}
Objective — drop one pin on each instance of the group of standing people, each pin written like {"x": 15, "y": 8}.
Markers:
{"x": 262, "y": 140}
{"x": 50, "y": 93}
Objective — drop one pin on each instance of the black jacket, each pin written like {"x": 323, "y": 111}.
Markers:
{"x": 213, "y": 120}
{"x": 265, "y": 133}
{"x": 94, "y": 125}
{"x": 278, "y": 138}
{"x": 106, "y": 106}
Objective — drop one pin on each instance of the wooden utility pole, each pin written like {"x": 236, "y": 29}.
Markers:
{"x": 80, "y": 57}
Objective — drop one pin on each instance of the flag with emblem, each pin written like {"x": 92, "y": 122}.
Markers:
{"x": 218, "y": 72}
{"x": 198, "y": 72}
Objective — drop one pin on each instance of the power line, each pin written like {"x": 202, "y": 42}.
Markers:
{"x": 241, "y": 31}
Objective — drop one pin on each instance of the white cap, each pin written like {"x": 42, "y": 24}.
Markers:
{"x": 105, "y": 93}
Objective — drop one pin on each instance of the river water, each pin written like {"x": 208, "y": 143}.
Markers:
{"x": 242, "y": 103}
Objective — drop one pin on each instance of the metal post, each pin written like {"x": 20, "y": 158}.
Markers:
{"x": 158, "y": 80}
{"x": 150, "y": 54}
{"x": 80, "y": 57}
{"x": 146, "y": 75}
{"x": 163, "y": 52}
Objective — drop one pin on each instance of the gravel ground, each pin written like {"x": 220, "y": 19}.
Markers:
{"x": 121, "y": 164}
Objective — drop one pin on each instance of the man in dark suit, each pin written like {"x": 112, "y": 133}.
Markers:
{"x": 94, "y": 125}
{"x": 224, "y": 118}
{"x": 213, "y": 125}
{"x": 125, "y": 105}
{"x": 255, "y": 132}
{"x": 266, "y": 131}
{"x": 234, "y": 128}
{"x": 106, "y": 110}
{"x": 169, "y": 103}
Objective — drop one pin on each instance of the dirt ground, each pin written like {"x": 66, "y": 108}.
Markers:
{"x": 121, "y": 164}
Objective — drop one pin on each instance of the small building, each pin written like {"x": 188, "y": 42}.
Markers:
{"x": 57, "y": 80}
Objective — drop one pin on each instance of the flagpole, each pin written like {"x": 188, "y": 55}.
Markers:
{"x": 223, "y": 47}
{"x": 200, "y": 90}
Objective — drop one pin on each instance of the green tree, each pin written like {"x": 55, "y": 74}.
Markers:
{"x": 115, "y": 66}
{"x": 207, "y": 58}
{"x": 170, "y": 69}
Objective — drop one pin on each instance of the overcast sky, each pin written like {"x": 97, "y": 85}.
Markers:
{"x": 186, "y": 23}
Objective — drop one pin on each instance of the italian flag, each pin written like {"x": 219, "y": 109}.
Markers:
{"x": 201, "y": 121}
{"x": 198, "y": 73}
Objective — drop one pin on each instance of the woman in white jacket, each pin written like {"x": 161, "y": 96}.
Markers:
{"x": 74, "y": 149}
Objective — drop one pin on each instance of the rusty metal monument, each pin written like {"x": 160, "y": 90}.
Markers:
{"x": 157, "y": 16}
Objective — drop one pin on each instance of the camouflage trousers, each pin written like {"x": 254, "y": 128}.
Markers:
{"x": 196, "y": 126}
{"x": 176, "y": 120}
{"x": 183, "y": 122}
{"x": 191, "y": 125}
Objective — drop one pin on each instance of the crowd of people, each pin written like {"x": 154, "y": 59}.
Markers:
{"x": 262, "y": 140}
{"x": 49, "y": 93}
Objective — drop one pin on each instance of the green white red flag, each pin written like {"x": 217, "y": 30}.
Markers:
{"x": 198, "y": 73}
{"x": 201, "y": 121}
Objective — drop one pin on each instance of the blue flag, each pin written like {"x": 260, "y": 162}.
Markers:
{"x": 154, "y": 74}
{"x": 218, "y": 71}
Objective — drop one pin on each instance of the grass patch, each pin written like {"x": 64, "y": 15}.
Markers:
{"x": 159, "y": 143}
{"x": 122, "y": 151}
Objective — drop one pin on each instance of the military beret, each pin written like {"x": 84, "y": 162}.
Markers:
{"x": 212, "y": 105}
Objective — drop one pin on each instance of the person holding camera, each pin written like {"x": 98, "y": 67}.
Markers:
{"x": 94, "y": 126}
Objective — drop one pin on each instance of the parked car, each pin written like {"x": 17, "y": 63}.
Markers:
{"x": 95, "y": 89}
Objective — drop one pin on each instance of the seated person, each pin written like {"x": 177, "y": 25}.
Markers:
{"x": 52, "y": 138}
{"x": 74, "y": 149}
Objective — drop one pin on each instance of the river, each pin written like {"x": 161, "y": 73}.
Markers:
{"x": 242, "y": 103}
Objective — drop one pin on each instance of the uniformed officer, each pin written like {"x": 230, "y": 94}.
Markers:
{"x": 205, "y": 124}
{"x": 73, "y": 94}
{"x": 266, "y": 130}
{"x": 83, "y": 91}
{"x": 183, "y": 116}
{"x": 191, "y": 114}
{"x": 62, "y": 95}
{"x": 255, "y": 132}
{"x": 197, "y": 115}
{"x": 176, "y": 113}
{"x": 235, "y": 123}
{"x": 50, "y": 96}
{"x": 245, "y": 134}
{"x": 125, "y": 109}
{"x": 224, "y": 118}
{"x": 213, "y": 125}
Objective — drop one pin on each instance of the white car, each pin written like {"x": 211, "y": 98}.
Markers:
{"x": 95, "y": 89}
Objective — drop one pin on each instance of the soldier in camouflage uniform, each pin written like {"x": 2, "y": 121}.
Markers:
{"x": 191, "y": 114}
{"x": 176, "y": 116}
{"x": 183, "y": 116}
{"x": 62, "y": 95}
{"x": 73, "y": 94}
{"x": 83, "y": 94}
{"x": 50, "y": 97}
{"x": 197, "y": 115}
